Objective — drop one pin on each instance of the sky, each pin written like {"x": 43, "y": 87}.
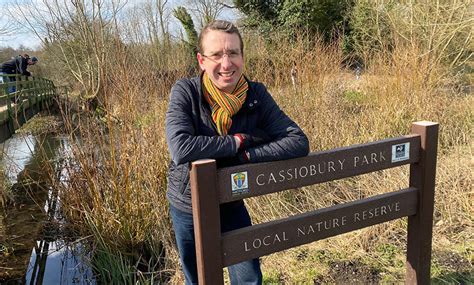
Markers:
{"x": 11, "y": 35}
{"x": 26, "y": 38}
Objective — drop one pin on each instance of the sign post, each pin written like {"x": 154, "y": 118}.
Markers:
{"x": 420, "y": 226}
{"x": 206, "y": 218}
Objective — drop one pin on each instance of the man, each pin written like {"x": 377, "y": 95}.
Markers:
{"x": 16, "y": 65}
{"x": 224, "y": 116}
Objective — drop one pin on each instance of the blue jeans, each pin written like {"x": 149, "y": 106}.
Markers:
{"x": 6, "y": 79}
{"x": 234, "y": 217}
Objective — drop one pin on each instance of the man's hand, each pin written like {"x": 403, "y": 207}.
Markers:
{"x": 238, "y": 141}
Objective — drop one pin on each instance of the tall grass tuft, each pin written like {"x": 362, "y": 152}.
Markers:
{"x": 116, "y": 188}
{"x": 5, "y": 195}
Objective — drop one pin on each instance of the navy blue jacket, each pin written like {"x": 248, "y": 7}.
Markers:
{"x": 17, "y": 65}
{"x": 191, "y": 134}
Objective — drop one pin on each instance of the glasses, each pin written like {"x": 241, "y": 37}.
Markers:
{"x": 218, "y": 57}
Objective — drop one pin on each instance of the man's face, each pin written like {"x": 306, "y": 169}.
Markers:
{"x": 221, "y": 59}
{"x": 30, "y": 62}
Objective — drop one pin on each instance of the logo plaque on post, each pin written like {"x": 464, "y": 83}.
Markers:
{"x": 400, "y": 152}
{"x": 240, "y": 183}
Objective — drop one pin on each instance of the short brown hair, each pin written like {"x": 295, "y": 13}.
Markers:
{"x": 223, "y": 26}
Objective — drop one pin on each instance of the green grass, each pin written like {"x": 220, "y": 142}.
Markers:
{"x": 354, "y": 97}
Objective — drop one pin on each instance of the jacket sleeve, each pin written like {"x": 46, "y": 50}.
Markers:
{"x": 184, "y": 143}
{"x": 22, "y": 66}
{"x": 289, "y": 141}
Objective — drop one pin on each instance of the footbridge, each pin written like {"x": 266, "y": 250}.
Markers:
{"x": 21, "y": 98}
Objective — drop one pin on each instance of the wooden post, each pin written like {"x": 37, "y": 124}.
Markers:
{"x": 420, "y": 226}
{"x": 30, "y": 94}
{"x": 206, "y": 218}
{"x": 11, "y": 126}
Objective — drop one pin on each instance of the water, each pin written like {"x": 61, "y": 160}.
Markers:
{"x": 33, "y": 249}
{"x": 58, "y": 263}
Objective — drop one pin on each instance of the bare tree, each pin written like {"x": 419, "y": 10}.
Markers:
{"x": 6, "y": 27}
{"x": 79, "y": 31}
{"x": 205, "y": 11}
{"x": 164, "y": 16}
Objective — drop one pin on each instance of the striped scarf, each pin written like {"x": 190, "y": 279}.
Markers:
{"x": 224, "y": 105}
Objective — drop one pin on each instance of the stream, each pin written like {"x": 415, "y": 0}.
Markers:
{"x": 35, "y": 247}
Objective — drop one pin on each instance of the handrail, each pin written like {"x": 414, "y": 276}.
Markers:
{"x": 23, "y": 96}
{"x": 23, "y": 87}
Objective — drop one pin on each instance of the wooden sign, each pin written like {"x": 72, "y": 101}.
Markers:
{"x": 211, "y": 187}
{"x": 263, "y": 239}
{"x": 265, "y": 178}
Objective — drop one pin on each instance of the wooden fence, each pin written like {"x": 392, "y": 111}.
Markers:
{"x": 211, "y": 187}
{"x": 19, "y": 88}
{"x": 20, "y": 98}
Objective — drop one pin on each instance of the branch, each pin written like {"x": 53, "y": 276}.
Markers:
{"x": 227, "y": 5}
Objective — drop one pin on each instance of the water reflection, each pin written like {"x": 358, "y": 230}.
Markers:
{"x": 17, "y": 153}
{"x": 55, "y": 263}
{"x": 32, "y": 250}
